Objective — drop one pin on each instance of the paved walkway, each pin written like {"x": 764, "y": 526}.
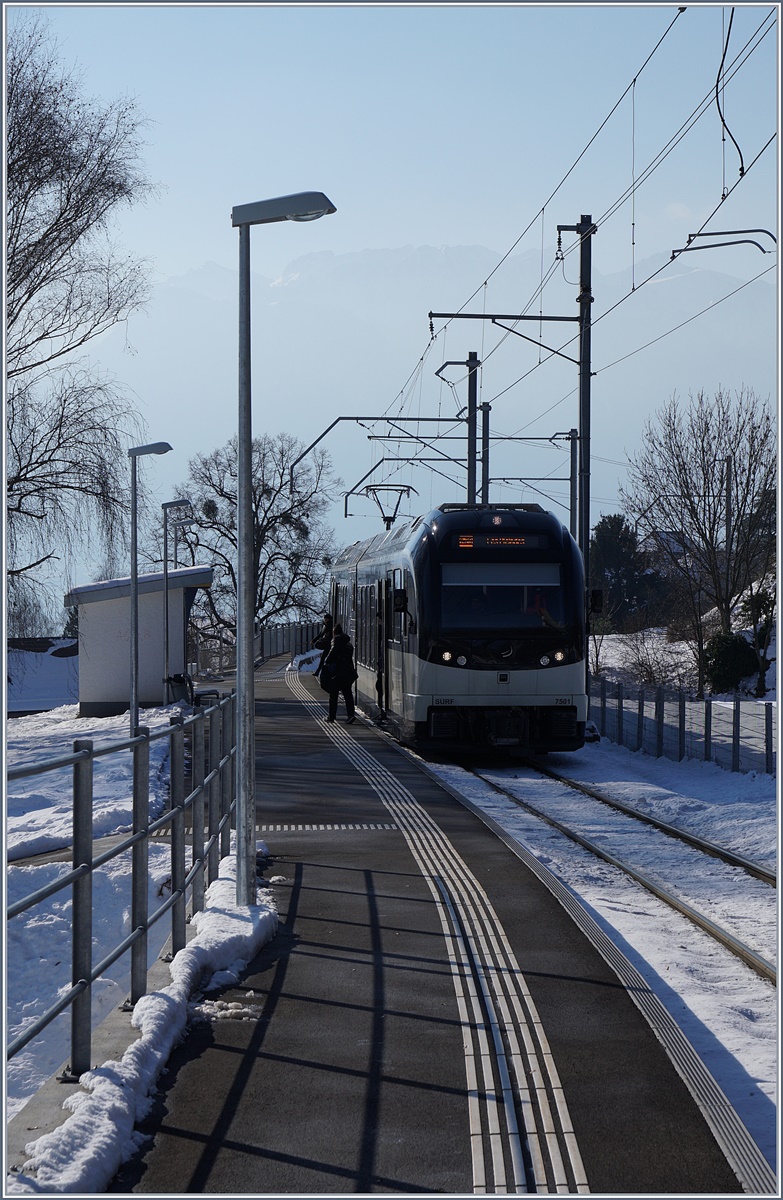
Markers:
{"x": 345, "y": 1071}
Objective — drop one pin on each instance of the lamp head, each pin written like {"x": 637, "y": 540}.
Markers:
{"x": 152, "y": 448}
{"x": 301, "y": 206}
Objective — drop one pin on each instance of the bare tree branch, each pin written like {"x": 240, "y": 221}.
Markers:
{"x": 293, "y": 546}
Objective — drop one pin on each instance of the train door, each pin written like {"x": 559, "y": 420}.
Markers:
{"x": 395, "y": 644}
{"x": 382, "y": 648}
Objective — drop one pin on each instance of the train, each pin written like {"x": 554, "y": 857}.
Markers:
{"x": 469, "y": 628}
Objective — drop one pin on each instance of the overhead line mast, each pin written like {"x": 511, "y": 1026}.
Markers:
{"x": 585, "y": 229}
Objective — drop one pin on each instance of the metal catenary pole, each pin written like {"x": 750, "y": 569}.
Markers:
{"x": 246, "y": 884}
{"x": 473, "y": 365}
{"x": 134, "y": 610}
{"x": 485, "y": 411}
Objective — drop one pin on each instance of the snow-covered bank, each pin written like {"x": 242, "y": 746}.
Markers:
{"x": 43, "y": 673}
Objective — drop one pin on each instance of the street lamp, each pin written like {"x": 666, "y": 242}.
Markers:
{"x": 134, "y": 453}
{"x": 166, "y": 506}
{"x": 303, "y": 206}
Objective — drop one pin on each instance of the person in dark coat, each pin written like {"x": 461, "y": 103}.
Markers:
{"x": 338, "y": 674}
{"x": 323, "y": 641}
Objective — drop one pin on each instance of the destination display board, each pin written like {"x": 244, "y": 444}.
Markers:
{"x": 500, "y": 541}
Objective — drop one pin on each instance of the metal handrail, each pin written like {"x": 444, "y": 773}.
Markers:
{"x": 212, "y": 802}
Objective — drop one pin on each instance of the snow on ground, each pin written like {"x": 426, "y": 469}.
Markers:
{"x": 728, "y": 1013}
{"x": 38, "y": 816}
{"x": 43, "y": 678}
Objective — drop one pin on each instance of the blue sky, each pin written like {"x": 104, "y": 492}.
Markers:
{"x": 450, "y": 125}
{"x": 425, "y": 124}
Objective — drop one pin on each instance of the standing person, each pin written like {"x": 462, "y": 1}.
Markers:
{"x": 323, "y": 641}
{"x": 338, "y": 674}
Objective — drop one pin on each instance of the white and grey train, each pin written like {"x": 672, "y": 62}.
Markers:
{"x": 469, "y": 628}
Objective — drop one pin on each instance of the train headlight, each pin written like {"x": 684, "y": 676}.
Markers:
{"x": 446, "y": 656}
{"x": 560, "y": 656}
{"x": 461, "y": 661}
{"x": 544, "y": 660}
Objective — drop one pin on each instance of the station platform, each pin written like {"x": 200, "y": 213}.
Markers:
{"x": 428, "y": 1018}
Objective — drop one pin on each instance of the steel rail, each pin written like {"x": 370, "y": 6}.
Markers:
{"x": 758, "y": 964}
{"x": 725, "y": 855}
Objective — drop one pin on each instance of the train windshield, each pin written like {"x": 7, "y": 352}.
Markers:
{"x": 489, "y": 596}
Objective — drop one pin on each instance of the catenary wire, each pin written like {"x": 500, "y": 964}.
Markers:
{"x": 610, "y": 212}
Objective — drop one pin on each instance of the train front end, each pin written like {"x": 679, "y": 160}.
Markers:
{"x": 501, "y": 631}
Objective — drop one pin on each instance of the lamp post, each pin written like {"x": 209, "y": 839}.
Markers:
{"x": 176, "y": 525}
{"x": 303, "y": 206}
{"x": 134, "y": 453}
{"x": 166, "y": 506}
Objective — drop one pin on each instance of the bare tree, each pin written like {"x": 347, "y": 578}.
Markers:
{"x": 70, "y": 162}
{"x": 65, "y": 468}
{"x": 701, "y": 475}
{"x": 293, "y": 547}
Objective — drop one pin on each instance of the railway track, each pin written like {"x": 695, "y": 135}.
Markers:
{"x": 691, "y": 839}
{"x": 664, "y": 891}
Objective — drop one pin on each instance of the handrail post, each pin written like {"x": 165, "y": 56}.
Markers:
{"x": 225, "y": 780}
{"x": 214, "y": 794}
{"x": 620, "y": 712}
{"x": 735, "y": 735}
{"x": 197, "y": 814}
{"x": 769, "y": 762}
{"x": 81, "y": 960}
{"x": 660, "y": 718}
{"x": 178, "y": 933}
{"x": 603, "y": 707}
{"x": 681, "y": 734}
{"x": 640, "y": 721}
{"x": 140, "y": 861}
{"x": 708, "y": 728}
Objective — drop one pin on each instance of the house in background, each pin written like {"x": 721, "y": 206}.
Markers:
{"x": 43, "y": 673}
{"x": 104, "y": 637}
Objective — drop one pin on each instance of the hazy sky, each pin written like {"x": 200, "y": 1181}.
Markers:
{"x": 442, "y": 125}
{"x": 425, "y": 124}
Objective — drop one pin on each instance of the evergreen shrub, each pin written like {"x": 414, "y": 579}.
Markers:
{"x": 729, "y": 658}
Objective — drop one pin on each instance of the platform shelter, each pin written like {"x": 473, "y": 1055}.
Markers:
{"x": 104, "y": 637}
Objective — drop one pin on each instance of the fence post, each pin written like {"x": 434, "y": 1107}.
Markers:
{"x": 620, "y": 713}
{"x": 225, "y": 778}
{"x": 197, "y": 813}
{"x": 660, "y": 717}
{"x": 81, "y": 957}
{"x": 603, "y": 708}
{"x": 681, "y": 723}
{"x": 769, "y": 762}
{"x": 735, "y": 735}
{"x": 178, "y": 935}
{"x": 640, "y": 721}
{"x": 213, "y": 855}
{"x": 708, "y": 729}
{"x": 140, "y": 863}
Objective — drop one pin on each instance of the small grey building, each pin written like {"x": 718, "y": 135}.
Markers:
{"x": 104, "y": 637}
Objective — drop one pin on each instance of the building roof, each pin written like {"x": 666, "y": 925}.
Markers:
{"x": 115, "y": 589}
